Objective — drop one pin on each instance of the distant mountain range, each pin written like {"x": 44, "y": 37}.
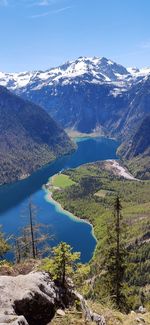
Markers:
{"x": 88, "y": 94}
{"x": 95, "y": 70}
{"x": 29, "y": 137}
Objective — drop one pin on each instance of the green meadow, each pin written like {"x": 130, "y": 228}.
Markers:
{"x": 62, "y": 181}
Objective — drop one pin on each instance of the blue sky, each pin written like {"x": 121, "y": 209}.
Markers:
{"x": 39, "y": 34}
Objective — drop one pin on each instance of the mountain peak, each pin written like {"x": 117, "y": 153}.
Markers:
{"x": 83, "y": 69}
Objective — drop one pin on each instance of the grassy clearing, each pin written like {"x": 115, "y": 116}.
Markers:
{"x": 62, "y": 181}
{"x": 103, "y": 193}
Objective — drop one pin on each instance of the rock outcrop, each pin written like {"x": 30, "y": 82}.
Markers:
{"x": 88, "y": 313}
{"x": 33, "y": 296}
{"x": 33, "y": 299}
{"x": 13, "y": 320}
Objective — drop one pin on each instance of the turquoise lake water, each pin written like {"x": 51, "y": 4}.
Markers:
{"x": 14, "y": 198}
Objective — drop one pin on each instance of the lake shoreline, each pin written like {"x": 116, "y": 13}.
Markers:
{"x": 49, "y": 198}
{"x": 28, "y": 175}
{"x": 114, "y": 165}
{"x": 73, "y": 134}
{"x": 14, "y": 197}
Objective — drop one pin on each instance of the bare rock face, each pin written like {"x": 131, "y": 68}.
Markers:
{"x": 33, "y": 296}
{"x": 33, "y": 299}
{"x": 88, "y": 313}
{"x": 142, "y": 310}
{"x": 12, "y": 320}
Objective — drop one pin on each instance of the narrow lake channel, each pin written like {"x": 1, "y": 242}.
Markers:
{"x": 65, "y": 227}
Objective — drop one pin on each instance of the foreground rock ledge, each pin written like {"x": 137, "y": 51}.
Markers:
{"x": 33, "y": 296}
{"x": 33, "y": 299}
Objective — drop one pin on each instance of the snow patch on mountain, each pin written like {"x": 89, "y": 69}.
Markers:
{"x": 135, "y": 72}
{"x": 84, "y": 69}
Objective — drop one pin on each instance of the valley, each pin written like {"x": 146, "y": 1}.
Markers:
{"x": 94, "y": 96}
{"x": 74, "y": 176}
{"x": 74, "y": 162}
{"x": 88, "y": 94}
{"x": 77, "y": 201}
{"x": 14, "y": 198}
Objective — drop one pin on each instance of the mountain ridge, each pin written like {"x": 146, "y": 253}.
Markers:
{"x": 89, "y": 94}
{"x": 101, "y": 69}
{"x": 29, "y": 137}
{"x": 94, "y": 90}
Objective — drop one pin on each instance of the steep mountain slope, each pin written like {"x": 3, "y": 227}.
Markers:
{"x": 83, "y": 107}
{"x": 29, "y": 138}
{"x": 137, "y": 150}
{"x": 140, "y": 143}
{"x": 88, "y": 94}
{"x": 138, "y": 106}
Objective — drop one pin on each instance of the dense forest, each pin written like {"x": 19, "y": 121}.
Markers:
{"x": 29, "y": 138}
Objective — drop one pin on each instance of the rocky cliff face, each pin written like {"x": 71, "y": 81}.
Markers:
{"x": 139, "y": 144}
{"x": 136, "y": 149}
{"x": 137, "y": 109}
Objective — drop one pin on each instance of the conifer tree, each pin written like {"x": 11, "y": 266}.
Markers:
{"x": 32, "y": 231}
{"x": 115, "y": 256}
{"x": 62, "y": 263}
{"x": 4, "y": 246}
{"x": 32, "y": 243}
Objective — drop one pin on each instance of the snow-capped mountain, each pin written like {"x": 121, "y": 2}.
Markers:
{"x": 135, "y": 72}
{"x": 95, "y": 70}
{"x": 87, "y": 94}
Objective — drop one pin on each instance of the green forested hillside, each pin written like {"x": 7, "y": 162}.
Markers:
{"x": 29, "y": 137}
{"x": 92, "y": 197}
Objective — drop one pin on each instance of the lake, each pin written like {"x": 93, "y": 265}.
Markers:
{"x": 14, "y": 198}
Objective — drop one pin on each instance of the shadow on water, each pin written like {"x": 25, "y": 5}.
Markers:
{"x": 13, "y": 194}
{"x": 89, "y": 150}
